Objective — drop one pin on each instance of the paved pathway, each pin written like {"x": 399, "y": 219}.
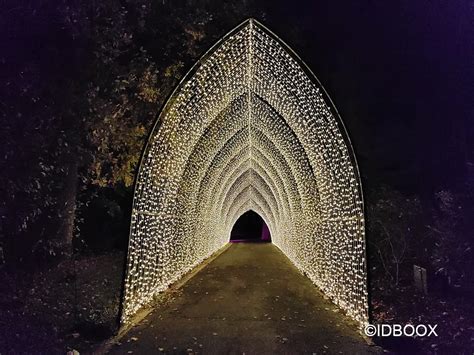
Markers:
{"x": 251, "y": 300}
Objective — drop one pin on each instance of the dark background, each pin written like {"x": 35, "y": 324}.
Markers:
{"x": 248, "y": 227}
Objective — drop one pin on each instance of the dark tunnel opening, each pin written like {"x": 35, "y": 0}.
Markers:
{"x": 250, "y": 227}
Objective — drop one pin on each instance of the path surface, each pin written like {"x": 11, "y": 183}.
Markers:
{"x": 251, "y": 300}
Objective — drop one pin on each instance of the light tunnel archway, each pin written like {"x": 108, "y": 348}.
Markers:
{"x": 248, "y": 128}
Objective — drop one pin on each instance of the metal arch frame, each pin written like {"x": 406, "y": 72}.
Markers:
{"x": 190, "y": 74}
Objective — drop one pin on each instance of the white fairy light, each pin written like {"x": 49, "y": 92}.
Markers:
{"x": 249, "y": 128}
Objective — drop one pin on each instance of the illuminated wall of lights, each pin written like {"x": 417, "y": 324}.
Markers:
{"x": 249, "y": 128}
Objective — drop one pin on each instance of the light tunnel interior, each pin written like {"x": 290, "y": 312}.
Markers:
{"x": 248, "y": 129}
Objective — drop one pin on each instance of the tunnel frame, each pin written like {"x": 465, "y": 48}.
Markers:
{"x": 362, "y": 318}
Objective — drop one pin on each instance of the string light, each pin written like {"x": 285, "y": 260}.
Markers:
{"x": 249, "y": 128}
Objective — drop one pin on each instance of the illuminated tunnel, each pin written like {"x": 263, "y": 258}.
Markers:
{"x": 248, "y": 128}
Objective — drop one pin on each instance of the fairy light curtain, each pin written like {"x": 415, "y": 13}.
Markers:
{"x": 249, "y": 128}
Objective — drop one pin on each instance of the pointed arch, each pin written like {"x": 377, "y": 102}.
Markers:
{"x": 248, "y": 128}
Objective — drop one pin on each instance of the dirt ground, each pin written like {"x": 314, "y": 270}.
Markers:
{"x": 251, "y": 300}
{"x": 73, "y": 305}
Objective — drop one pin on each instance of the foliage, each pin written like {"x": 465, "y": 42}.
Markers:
{"x": 393, "y": 222}
{"x": 440, "y": 239}
{"x": 38, "y": 111}
{"x": 74, "y": 304}
{"x": 451, "y": 233}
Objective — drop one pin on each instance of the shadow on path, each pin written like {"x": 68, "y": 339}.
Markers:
{"x": 252, "y": 300}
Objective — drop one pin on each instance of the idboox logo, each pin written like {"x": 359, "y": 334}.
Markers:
{"x": 398, "y": 330}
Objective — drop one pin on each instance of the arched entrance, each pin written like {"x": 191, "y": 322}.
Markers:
{"x": 250, "y": 227}
{"x": 249, "y": 128}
